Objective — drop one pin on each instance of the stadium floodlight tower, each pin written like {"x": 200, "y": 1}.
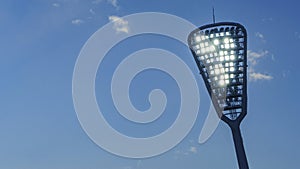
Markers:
{"x": 220, "y": 51}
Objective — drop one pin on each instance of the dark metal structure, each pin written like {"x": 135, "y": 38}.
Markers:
{"x": 220, "y": 51}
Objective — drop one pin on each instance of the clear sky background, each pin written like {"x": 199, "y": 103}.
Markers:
{"x": 40, "y": 42}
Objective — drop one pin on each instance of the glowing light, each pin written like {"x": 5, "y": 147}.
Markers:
{"x": 216, "y": 42}
{"x": 226, "y": 57}
{"x": 227, "y": 46}
{"x": 218, "y": 51}
{"x": 197, "y": 38}
{"x": 226, "y": 40}
{"x": 207, "y": 49}
{"x": 222, "y": 82}
{"x": 221, "y": 58}
{"x": 232, "y": 57}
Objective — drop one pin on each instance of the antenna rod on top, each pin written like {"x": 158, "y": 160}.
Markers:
{"x": 214, "y": 18}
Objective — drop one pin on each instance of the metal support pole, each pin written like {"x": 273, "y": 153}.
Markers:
{"x": 239, "y": 147}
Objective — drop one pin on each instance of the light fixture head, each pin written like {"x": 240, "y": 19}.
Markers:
{"x": 220, "y": 51}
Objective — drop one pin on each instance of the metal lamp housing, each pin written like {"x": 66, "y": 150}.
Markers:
{"x": 220, "y": 51}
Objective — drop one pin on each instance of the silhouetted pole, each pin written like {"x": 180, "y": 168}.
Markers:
{"x": 239, "y": 146}
{"x": 220, "y": 52}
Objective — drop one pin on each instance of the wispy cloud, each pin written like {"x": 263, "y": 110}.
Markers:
{"x": 114, "y": 3}
{"x": 120, "y": 25}
{"x": 92, "y": 11}
{"x": 260, "y": 36}
{"x": 259, "y": 76}
{"x": 253, "y": 59}
{"x": 285, "y": 73}
{"x": 77, "y": 21}
{"x": 193, "y": 149}
{"x": 187, "y": 150}
{"x": 56, "y": 5}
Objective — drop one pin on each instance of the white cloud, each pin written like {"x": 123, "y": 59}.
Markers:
{"x": 193, "y": 149}
{"x": 113, "y": 3}
{"x": 120, "y": 25}
{"x": 285, "y": 73}
{"x": 260, "y": 36}
{"x": 77, "y": 21}
{"x": 92, "y": 11}
{"x": 259, "y": 76}
{"x": 56, "y": 5}
{"x": 253, "y": 57}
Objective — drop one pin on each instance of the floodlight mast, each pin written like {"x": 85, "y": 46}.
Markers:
{"x": 220, "y": 52}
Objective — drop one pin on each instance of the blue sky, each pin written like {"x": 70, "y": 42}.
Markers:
{"x": 40, "y": 42}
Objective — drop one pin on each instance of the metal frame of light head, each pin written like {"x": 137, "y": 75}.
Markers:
{"x": 220, "y": 51}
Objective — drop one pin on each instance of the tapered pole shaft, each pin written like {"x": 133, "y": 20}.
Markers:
{"x": 239, "y": 147}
